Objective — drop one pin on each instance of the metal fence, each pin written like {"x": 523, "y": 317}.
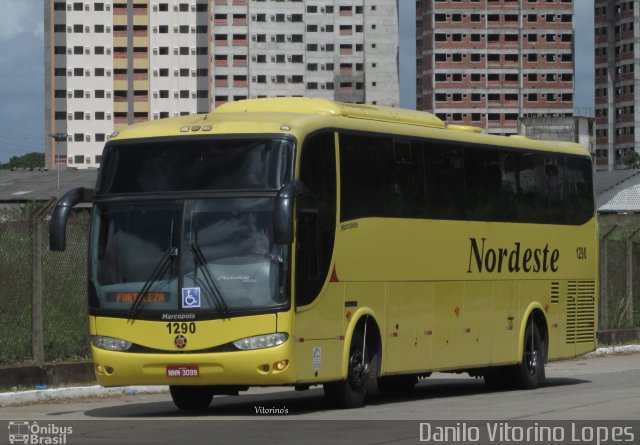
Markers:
{"x": 43, "y": 303}
{"x": 619, "y": 271}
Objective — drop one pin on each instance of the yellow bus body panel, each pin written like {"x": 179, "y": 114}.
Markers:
{"x": 216, "y": 368}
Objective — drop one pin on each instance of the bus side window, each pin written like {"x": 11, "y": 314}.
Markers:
{"x": 316, "y": 216}
{"x": 444, "y": 180}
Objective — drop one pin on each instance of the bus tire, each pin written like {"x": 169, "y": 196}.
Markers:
{"x": 352, "y": 392}
{"x": 191, "y": 397}
{"x": 529, "y": 374}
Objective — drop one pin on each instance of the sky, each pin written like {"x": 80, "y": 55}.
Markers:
{"x": 22, "y": 70}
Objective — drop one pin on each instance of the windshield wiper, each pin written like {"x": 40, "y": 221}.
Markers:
{"x": 209, "y": 281}
{"x": 158, "y": 271}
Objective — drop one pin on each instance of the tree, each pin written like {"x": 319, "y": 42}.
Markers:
{"x": 29, "y": 160}
{"x": 631, "y": 159}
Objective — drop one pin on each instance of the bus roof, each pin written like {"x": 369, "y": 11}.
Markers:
{"x": 291, "y": 115}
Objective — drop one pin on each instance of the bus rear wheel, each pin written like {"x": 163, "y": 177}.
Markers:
{"x": 191, "y": 397}
{"x": 529, "y": 374}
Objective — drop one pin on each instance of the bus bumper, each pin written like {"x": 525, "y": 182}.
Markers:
{"x": 260, "y": 367}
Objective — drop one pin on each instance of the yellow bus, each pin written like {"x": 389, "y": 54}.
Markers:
{"x": 299, "y": 241}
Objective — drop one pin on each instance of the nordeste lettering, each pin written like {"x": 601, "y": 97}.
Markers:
{"x": 484, "y": 258}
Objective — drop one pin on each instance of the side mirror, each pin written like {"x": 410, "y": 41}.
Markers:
{"x": 58, "y": 224}
{"x": 283, "y": 212}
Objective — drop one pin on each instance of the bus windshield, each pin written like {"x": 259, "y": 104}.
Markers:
{"x": 195, "y": 164}
{"x": 213, "y": 255}
{"x": 185, "y": 240}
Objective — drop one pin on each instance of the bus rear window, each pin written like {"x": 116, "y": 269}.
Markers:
{"x": 189, "y": 164}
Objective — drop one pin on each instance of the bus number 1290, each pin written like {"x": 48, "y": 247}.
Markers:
{"x": 181, "y": 328}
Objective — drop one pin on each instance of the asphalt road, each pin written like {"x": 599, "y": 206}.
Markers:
{"x": 594, "y": 390}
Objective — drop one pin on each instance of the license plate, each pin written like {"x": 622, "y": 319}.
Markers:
{"x": 182, "y": 371}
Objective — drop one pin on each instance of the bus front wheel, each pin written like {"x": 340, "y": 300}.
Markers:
{"x": 191, "y": 397}
{"x": 352, "y": 392}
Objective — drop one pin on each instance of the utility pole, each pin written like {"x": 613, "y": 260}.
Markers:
{"x": 57, "y": 137}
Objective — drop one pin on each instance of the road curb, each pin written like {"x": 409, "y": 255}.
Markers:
{"x": 626, "y": 349}
{"x": 44, "y": 395}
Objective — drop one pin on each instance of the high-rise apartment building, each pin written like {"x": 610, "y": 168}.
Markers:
{"x": 488, "y": 62}
{"x": 617, "y": 75}
{"x": 116, "y": 62}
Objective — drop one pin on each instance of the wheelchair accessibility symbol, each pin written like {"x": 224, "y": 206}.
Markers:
{"x": 190, "y": 297}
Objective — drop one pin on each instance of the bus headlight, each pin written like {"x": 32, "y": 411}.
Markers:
{"x": 110, "y": 343}
{"x": 261, "y": 341}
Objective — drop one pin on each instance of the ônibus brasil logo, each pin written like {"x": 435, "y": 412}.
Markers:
{"x": 34, "y": 433}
